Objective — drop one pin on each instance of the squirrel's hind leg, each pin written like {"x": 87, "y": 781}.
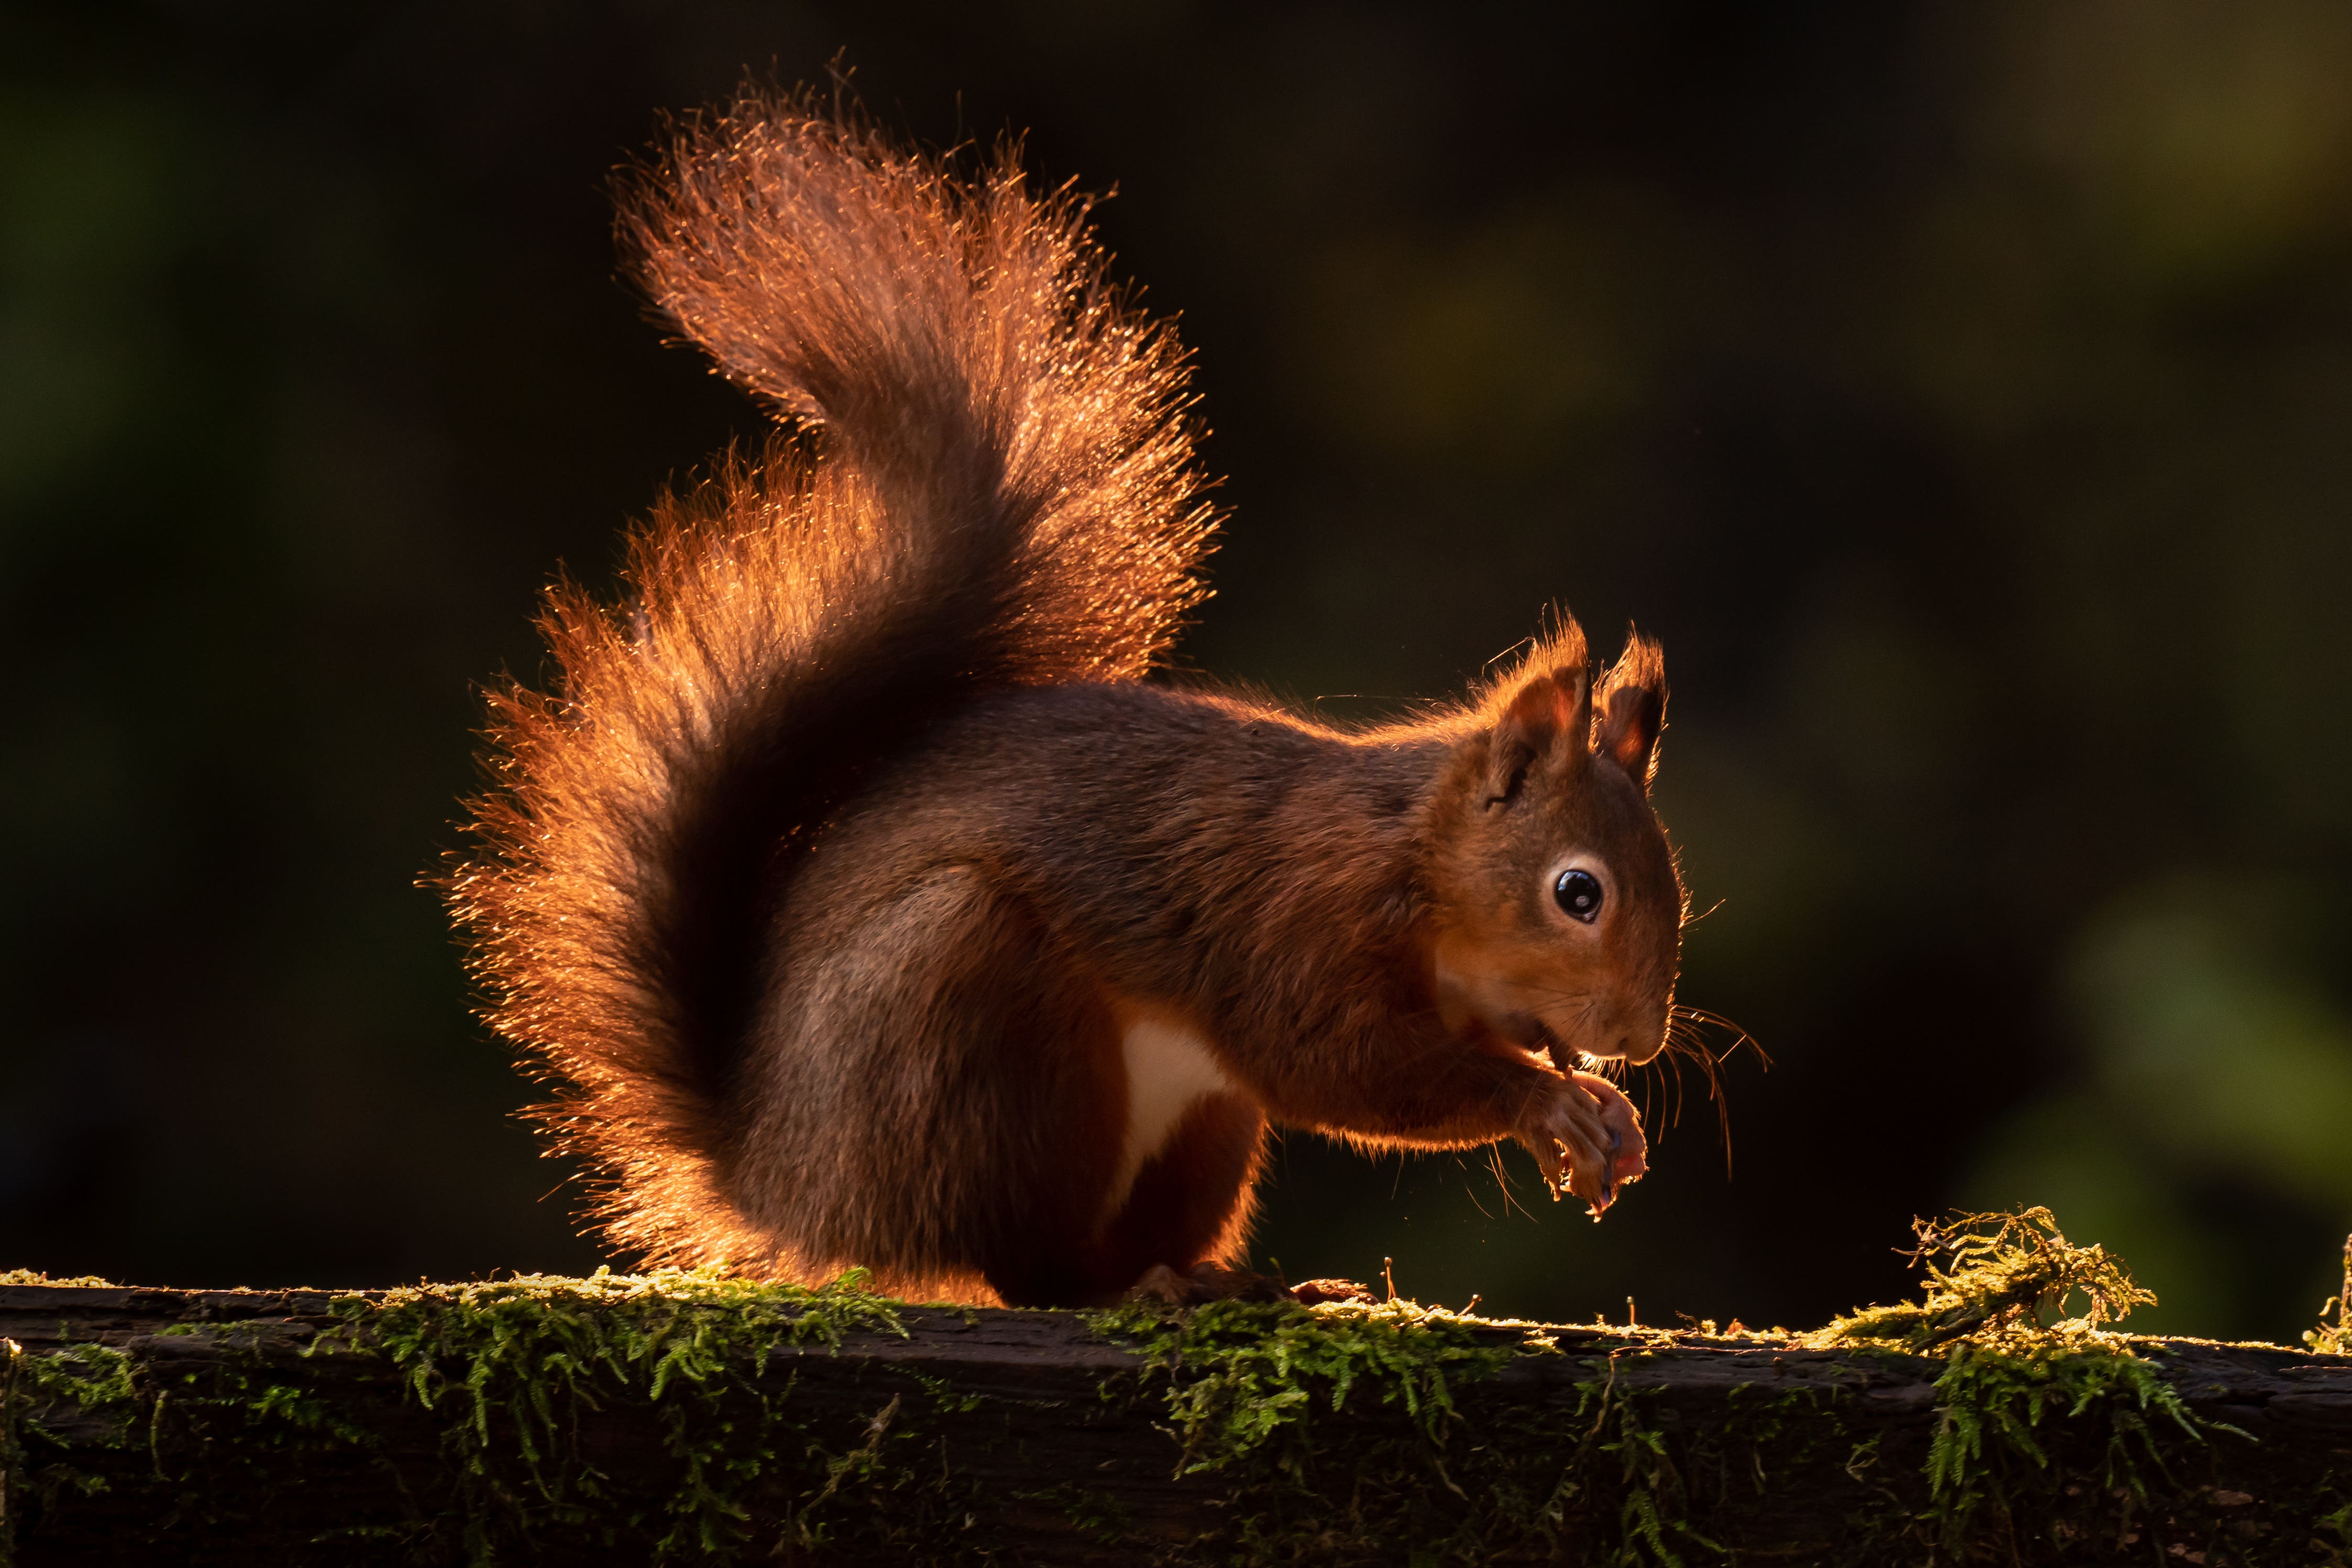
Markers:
{"x": 1187, "y": 1212}
{"x": 1186, "y": 1209}
{"x": 943, "y": 1090}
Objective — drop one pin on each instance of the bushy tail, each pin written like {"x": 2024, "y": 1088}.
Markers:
{"x": 997, "y": 489}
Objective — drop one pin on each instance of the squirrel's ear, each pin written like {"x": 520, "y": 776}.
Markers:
{"x": 1547, "y": 711}
{"x": 1633, "y": 705}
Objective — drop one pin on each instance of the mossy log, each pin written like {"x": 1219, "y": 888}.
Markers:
{"x": 682, "y": 1418}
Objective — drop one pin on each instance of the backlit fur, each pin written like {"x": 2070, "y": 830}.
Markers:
{"x": 851, "y": 876}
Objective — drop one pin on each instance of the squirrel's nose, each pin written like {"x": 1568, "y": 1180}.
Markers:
{"x": 1636, "y": 1052}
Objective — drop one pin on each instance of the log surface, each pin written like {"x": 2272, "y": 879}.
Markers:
{"x": 1051, "y": 1449}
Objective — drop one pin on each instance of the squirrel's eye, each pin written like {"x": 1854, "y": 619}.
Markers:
{"x": 1578, "y": 893}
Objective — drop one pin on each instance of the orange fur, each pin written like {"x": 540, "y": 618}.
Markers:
{"x": 830, "y": 886}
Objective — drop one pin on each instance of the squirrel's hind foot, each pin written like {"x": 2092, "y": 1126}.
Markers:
{"x": 1203, "y": 1283}
{"x": 1206, "y": 1282}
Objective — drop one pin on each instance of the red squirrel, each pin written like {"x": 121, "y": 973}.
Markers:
{"x": 866, "y": 905}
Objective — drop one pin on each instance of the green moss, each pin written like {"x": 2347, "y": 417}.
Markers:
{"x": 1241, "y": 1388}
{"x": 510, "y": 1364}
{"x": 1625, "y": 1455}
{"x": 2338, "y": 1524}
{"x": 2011, "y": 1374}
{"x": 89, "y": 1379}
{"x": 1239, "y": 1376}
{"x": 93, "y": 1378}
{"x": 1342, "y": 1434}
{"x": 1245, "y": 1388}
{"x": 1099, "y": 1516}
{"x": 505, "y": 1368}
{"x": 1990, "y": 1457}
{"x": 12, "y": 1449}
{"x": 2335, "y": 1338}
{"x": 2003, "y": 1272}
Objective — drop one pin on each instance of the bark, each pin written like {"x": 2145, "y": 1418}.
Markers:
{"x": 1028, "y": 1436}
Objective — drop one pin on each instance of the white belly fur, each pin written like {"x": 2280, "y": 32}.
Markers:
{"x": 1169, "y": 1070}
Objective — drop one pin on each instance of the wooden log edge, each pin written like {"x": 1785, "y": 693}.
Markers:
{"x": 682, "y": 1417}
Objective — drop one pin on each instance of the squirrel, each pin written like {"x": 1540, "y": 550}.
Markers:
{"x": 866, "y": 905}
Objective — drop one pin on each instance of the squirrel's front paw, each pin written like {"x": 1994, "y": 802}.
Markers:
{"x": 1588, "y": 1138}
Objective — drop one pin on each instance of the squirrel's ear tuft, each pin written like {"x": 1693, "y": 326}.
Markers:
{"x": 1632, "y": 710}
{"x": 1546, "y": 711}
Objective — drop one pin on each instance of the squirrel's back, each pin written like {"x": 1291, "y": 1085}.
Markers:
{"x": 993, "y": 488}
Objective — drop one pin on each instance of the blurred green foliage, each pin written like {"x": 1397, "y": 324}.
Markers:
{"x": 1961, "y": 393}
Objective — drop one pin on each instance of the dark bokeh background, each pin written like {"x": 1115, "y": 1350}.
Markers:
{"x": 1962, "y": 393}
